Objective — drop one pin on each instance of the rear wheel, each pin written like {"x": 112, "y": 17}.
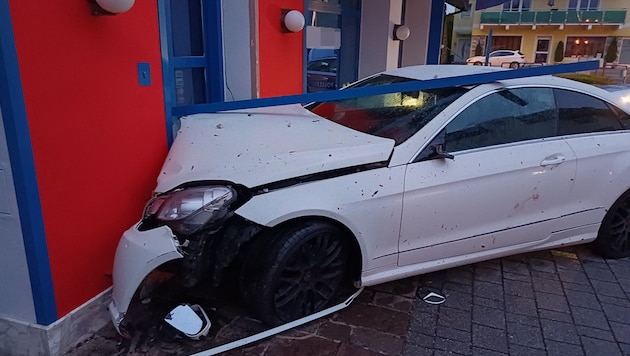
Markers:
{"x": 613, "y": 238}
{"x": 514, "y": 65}
{"x": 297, "y": 273}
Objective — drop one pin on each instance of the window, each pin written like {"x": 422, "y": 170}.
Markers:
{"x": 585, "y": 46}
{"x": 323, "y": 65}
{"x": 581, "y": 113}
{"x": 517, "y": 5}
{"x": 395, "y": 115}
{"x": 503, "y": 117}
{"x": 583, "y": 4}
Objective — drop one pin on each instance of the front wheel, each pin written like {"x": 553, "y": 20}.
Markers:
{"x": 297, "y": 273}
{"x": 613, "y": 238}
{"x": 477, "y": 63}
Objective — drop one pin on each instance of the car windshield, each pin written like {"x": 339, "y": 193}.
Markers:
{"x": 395, "y": 115}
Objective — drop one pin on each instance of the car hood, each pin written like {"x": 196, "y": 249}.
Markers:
{"x": 265, "y": 145}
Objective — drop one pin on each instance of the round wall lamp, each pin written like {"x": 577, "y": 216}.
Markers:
{"x": 110, "y": 7}
{"x": 401, "y": 32}
{"x": 292, "y": 21}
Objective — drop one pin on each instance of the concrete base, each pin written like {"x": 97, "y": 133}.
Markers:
{"x": 21, "y": 338}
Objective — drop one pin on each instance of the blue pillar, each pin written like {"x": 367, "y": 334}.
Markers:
{"x": 435, "y": 32}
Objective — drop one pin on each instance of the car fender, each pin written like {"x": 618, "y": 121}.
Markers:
{"x": 368, "y": 204}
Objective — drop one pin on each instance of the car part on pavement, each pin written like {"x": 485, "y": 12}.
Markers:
{"x": 190, "y": 320}
{"x": 434, "y": 298}
{"x": 280, "y": 328}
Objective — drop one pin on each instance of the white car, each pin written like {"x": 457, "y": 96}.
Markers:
{"x": 500, "y": 58}
{"x": 297, "y": 202}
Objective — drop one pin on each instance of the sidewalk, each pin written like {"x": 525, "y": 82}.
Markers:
{"x": 561, "y": 302}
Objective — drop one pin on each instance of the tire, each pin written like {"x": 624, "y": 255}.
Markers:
{"x": 297, "y": 273}
{"x": 613, "y": 238}
{"x": 514, "y": 65}
{"x": 477, "y": 63}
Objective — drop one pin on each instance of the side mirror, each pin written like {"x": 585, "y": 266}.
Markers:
{"x": 190, "y": 320}
{"x": 439, "y": 152}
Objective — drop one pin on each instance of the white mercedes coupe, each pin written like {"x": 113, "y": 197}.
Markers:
{"x": 292, "y": 203}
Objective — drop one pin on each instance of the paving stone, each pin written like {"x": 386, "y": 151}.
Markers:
{"x": 609, "y": 289}
{"x": 490, "y": 303}
{"x": 458, "y": 300}
{"x": 522, "y": 289}
{"x": 489, "y": 338}
{"x": 595, "y": 333}
{"x": 621, "y": 331}
{"x": 555, "y": 316}
{"x": 519, "y": 305}
{"x": 586, "y": 288}
{"x": 334, "y": 331}
{"x": 545, "y": 275}
{"x": 522, "y": 319}
{"x": 542, "y": 265}
{"x": 489, "y": 317}
{"x": 547, "y": 285}
{"x": 516, "y": 277}
{"x": 423, "y": 323}
{"x": 555, "y": 348}
{"x": 457, "y": 347}
{"x": 571, "y": 276}
{"x": 414, "y": 350}
{"x": 381, "y": 319}
{"x": 589, "y": 317}
{"x": 492, "y": 264}
{"x": 622, "y": 302}
{"x": 418, "y": 339}
{"x": 515, "y": 267}
{"x": 525, "y": 335}
{"x": 519, "y": 350}
{"x": 478, "y": 351}
{"x": 458, "y": 287}
{"x": 459, "y": 275}
{"x": 445, "y": 332}
{"x": 455, "y": 318}
{"x": 598, "y": 273}
{"x": 488, "y": 290}
{"x": 625, "y": 348}
{"x": 563, "y": 263}
{"x": 303, "y": 346}
{"x": 617, "y": 313}
{"x": 353, "y": 350}
{"x": 488, "y": 275}
{"x": 559, "y": 331}
{"x": 392, "y": 301}
{"x": 600, "y": 347}
{"x": 552, "y": 302}
{"x": 376, "y": 341}
{"x": 581, "y": 299}
{"x": 625, "y": 284}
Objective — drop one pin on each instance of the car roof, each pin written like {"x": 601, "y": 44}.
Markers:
{"x": 435, "y": 71}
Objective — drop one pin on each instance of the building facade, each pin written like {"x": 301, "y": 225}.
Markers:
{"x": 586, "y": 29}
{"x": 89, "y": 104}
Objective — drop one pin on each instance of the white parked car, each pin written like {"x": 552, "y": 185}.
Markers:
{"x": 296, "y": 202}
{"x": 499, "y": 58}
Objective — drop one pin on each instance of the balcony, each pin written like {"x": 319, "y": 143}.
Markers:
{"x": 555, "y": 17}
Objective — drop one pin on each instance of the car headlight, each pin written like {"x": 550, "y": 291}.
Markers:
{"x": 186, "y": 211}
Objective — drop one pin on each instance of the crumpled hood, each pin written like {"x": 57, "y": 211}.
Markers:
{"x": 265, "y": 145}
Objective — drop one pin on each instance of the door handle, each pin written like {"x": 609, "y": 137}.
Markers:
{"x": 553, "y": 160}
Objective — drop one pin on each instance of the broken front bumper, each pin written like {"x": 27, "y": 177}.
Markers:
{"x": 138, "y": 253}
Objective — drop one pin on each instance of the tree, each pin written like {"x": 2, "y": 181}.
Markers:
{"x": 611, "y": 53}
{"x": 559, "y": 54}
{"x": 478, "y": 49}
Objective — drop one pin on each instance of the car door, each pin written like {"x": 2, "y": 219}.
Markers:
{"x": 599, "y": 134}
{"x": 497, "y": 58}
{"x": 504, "y": 186}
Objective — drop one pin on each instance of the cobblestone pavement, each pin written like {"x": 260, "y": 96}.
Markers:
{"x": 560, "y": 302}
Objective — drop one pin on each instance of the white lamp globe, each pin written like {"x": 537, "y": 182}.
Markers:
{"x": 115, "y": 6}
{"x": 294, "y": 21}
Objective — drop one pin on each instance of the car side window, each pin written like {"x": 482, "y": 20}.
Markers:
{"x": 506, "y": 116}
{"x": 580, "y": 113}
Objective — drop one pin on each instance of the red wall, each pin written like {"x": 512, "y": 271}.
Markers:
{"x": 280, "y": 54}
{"x": 98, "y": 137}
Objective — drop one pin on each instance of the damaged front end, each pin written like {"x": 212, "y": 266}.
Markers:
{"x": 194, "y": 224}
